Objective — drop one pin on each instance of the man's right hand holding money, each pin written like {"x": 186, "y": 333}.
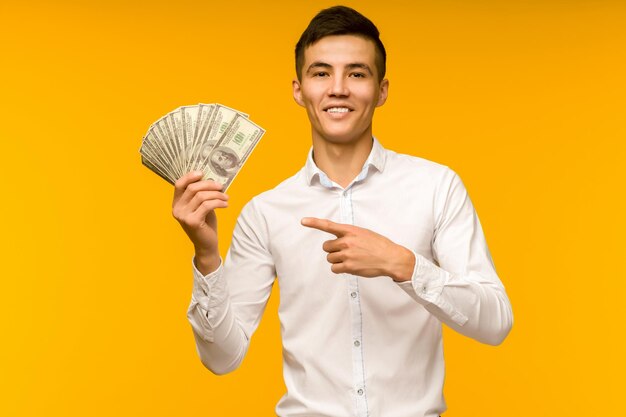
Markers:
{"x": 194, "y": 207}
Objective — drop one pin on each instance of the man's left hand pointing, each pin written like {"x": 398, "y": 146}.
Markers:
{"x": 360, "y": 251}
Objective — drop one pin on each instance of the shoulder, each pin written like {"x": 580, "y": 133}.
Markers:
{"x": 274, "y": 197}
{"x": 439, "y": 182}
{"x": 420, "y": 168}
{"x": 287, "y": 187}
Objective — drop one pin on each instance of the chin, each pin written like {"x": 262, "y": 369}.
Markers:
{"x": 342, "y": 138}
{"x": 339, "y": 139}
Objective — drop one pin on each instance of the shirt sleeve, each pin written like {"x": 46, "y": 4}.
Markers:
{"x": 460, "y": 285}
{"x": 227, "y": 304}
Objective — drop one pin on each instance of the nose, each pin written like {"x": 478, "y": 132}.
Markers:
{"x": 338, "y": 87}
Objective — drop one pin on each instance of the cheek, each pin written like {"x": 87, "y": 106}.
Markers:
{"x": 311, "y": 106}
{"x": 311, "y": 115}
{"x": 313, "y": 91}
{"x": 367, "y": 96}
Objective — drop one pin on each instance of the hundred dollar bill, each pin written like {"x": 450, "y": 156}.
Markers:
{"x": 235, "y": 110}
{"x": 150, "y": 140}
{"x": 150, "y": 152}
{"x": 162, "y": 142}
{"x": 221, "y": 118}
{"x": 176, "y": 124}
{"x": 205, "y": 115}
{"x": 231, "y": 151}
{"x": 156, "y": 170}
{"x": 154, "y": 149}
{"x": 211, "y": 138}
{"x": 164, "y": 126}
{"x": 189, "y": 116}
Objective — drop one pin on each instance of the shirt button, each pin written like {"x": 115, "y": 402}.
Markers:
{"x": 360, "y": 391}
{"x": 353, "y": 294}
{"x": 424, "y": 288}
{"x": 357, "y": 343}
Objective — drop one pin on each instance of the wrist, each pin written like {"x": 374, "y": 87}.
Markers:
{"x": 206, "y": 261}
{"x": 403, "y": 265}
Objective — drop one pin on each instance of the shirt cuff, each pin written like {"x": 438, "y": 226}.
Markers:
{"x": 426, "y": 282}
{"x": 208, "y": 290}
{"x": 207, "y": 298}
{"x": 426, "y": 287}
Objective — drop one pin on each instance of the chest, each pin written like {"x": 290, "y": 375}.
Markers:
{"x": 402, "y": 214}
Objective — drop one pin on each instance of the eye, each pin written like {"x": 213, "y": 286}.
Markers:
{"x": 320, "y": 74}
{"x": 358, "y": 75}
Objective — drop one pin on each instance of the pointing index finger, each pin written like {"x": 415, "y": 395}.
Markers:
{"x": 325, "y": 225}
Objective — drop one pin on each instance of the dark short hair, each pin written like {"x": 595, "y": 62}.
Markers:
{"x": 340, "y": 20}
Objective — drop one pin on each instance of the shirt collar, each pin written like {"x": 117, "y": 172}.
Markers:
{"x": 376, "y": 160}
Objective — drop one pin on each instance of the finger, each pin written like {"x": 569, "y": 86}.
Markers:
{"x": 181, "y": 184}
{"x": 205, "y": 208}
{"x": 325, "y": 225}
{"x": 336, "y": 257}
{"x": 188, "y": 214}
{"x": 191, "y": 200}
{"x": 334, "y": 245}
{"x": 201, "y": 196}
{"x": 195, "y": 187}
{"x": 339, "y": 268}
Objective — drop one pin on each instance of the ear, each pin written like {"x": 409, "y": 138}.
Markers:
{"x": 384, "y": 90}
{"x": 297, "y": 92}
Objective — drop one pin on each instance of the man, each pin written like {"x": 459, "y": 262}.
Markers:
{"x": 372, "y": 251}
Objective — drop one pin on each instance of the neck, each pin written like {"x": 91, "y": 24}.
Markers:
{"x": 342, "y": 162}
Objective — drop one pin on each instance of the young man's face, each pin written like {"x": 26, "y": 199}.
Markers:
{"x": 340, "y": 88}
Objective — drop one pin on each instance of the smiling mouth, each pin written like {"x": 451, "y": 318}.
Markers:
{"x": 337, "y": 110}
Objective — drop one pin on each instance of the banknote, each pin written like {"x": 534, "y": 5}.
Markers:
{"x": 205, "y": 113}
{"x": 231, "y": 151}
{"x": 211, "y": 138}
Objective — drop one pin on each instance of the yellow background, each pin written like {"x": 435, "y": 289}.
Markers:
{"x": 526, "y": 100}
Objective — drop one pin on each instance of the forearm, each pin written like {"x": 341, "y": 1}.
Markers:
{"x": 474, "y": 304}
{"x": 227, "y": 303}
{"x": 206, "y": 261}
{"x": 220, "y": 340}
{"x": 222, "y": 351}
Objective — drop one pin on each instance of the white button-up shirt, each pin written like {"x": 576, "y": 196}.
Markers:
{"x": 355, "y": 346}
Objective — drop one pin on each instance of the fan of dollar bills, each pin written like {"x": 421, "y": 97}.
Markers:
{"x": 211, "y": 138}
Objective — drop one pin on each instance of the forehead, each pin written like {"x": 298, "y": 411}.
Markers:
{"x": 339, "y": 50}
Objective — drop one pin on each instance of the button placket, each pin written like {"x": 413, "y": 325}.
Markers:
{"x": 358, "y": 366}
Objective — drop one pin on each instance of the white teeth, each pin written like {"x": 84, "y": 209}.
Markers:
{"x": 338, "y": 110}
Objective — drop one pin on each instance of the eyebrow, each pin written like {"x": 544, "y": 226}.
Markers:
{"x": 361, "y": 66}
{"x": 320, "y": 64}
